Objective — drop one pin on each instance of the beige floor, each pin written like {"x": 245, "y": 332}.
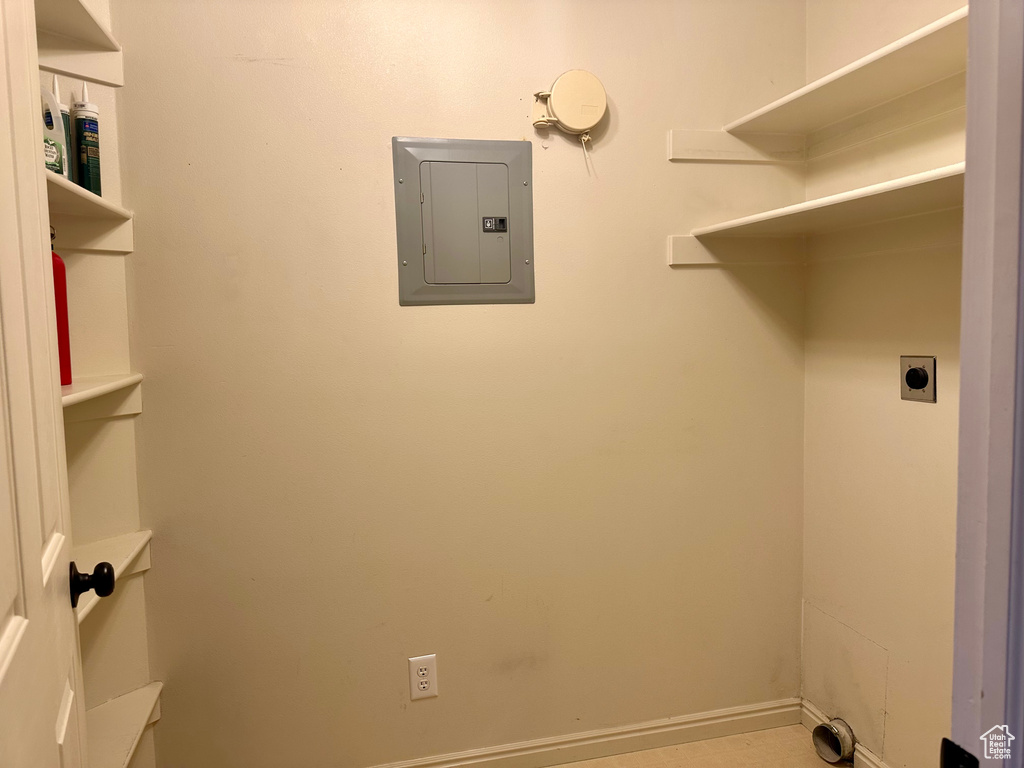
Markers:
{"x": 788, "y": 747}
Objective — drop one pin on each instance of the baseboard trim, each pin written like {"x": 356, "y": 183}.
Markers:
{"x": 863, "y": 758}
{"x": 540, "y": 753}
{"x": 811, "y": 716}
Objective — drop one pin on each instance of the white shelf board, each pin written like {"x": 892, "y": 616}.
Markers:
{"x": 115, "y": 727}
{"x": 84, "y": 221}
{"x": 120, "y": 551}
{"x": 926, "y": 56}
{"x": 72, "y": 41}
{"x": 71, "y": 19}
{"x": 96, "y": 386}
{"x": 65, "y": 57}
{"x": 934, "y": 190}
{"x": 68, "y": 199}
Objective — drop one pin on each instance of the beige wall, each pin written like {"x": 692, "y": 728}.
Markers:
{"x": 880, "y": 472}
{"x": 880, "y": 481}
{"x": 589, "y": 508}
{"x": 841, "y": 31}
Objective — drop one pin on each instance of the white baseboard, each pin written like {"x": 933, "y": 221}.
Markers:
{"x": 862, "y": 758}
{"x": 811, "y": 716}
{"x": 540, "y": 753}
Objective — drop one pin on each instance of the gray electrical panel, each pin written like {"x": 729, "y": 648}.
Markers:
{"x": 464, "y": 212}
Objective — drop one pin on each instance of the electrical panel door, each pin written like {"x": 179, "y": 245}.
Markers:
{"x": 464, "y": 205}
{"x": 464, "y": 219}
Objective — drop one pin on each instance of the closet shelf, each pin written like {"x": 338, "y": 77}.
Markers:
{"x": 92, "y": 387}
{"x": 115, "y": 727}
{"x": 73, "y": 20}
{"x": 68, "y": 199}
{"x": 934, "y": 190}
{"x": 123, "y": 552}
{"x": 932, "y": 53}
{"x": 73, "y": 42}
{"x": 84, "y": 221}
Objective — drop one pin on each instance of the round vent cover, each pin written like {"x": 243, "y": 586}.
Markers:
{"x": 577, "y": 101}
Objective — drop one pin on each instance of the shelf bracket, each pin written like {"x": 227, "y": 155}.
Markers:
{"x": 687, "y": 250}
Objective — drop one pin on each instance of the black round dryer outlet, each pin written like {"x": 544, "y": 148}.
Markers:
{"x": 916, "y": 378}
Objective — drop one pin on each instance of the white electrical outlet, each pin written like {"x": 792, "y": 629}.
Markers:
{"x": 423, "y": 676}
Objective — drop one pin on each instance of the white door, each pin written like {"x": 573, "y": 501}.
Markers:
{"x": 41, "y": 707}
{"x": 988, "y": 668}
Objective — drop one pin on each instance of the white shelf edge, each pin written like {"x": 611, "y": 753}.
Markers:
{"x": 120, "y": 551}
{"x": 956, "y": 16}
{"x": 115, "y": 727}
{"x": 92, "y": 387}
{"x": 91, "y": 203}
{"x": 832, "y": 201}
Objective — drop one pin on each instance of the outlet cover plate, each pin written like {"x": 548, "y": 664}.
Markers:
{"x": 926, "y": 395}
{"x": 423, "y": 676}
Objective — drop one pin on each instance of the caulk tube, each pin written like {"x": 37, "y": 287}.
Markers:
{"x": 65, "y": 114}
{"x": 86, "y": 116}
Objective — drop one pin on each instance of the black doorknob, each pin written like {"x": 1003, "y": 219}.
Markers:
{"x": 101, "y": 580}
{"x": 916, "y": 378}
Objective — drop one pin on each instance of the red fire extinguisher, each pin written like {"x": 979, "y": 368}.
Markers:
{"x": 60, "y": 295}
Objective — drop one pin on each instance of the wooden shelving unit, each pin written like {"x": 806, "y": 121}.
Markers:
{"x": 72, "y": 41}
{"x": 935, "y": 190}
{"x": 98, "y": 429}
{"x": 932, "y": 53}
{"x": 127, "y": 553}
{"x": 115, "y": 727}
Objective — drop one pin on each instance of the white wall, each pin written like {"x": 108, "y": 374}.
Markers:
{"x": 880, "y": 472}
{"x": 841, "y": 31}
{"x": 880, "y": 479}
{"x": 590, "y": 508}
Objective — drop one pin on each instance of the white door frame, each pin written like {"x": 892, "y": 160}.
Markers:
{"x": 41, "y": 702}
{"x": 986, "y": 674}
